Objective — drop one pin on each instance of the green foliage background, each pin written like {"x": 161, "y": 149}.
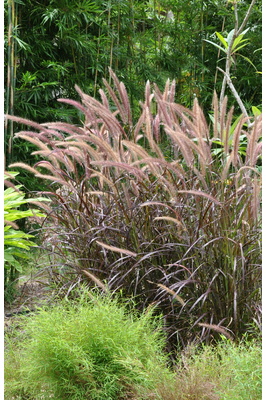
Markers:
{"x": 57, "y": 44}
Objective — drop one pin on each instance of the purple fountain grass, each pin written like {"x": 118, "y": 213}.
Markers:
{"x": 141, "y": 221}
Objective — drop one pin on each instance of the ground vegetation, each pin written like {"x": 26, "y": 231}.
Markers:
{"x": 144, "y": 171}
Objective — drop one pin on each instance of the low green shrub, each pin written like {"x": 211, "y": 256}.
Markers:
{"x": 98, "y": 349}
{"x": 241, "y": 371}
{"x": 227, "y": 371}
{"x": 92, "y": 348}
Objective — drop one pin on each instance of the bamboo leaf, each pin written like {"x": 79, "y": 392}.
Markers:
{"x": 216, "y": 45}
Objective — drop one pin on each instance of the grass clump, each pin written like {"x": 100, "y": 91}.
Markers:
{"x": 241, "y": 370}
{"x": 93, "y": 348}
{"x": 180, "y": 228}
{"x": 227, "y": 371}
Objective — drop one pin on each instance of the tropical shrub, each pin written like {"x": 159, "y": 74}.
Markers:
{"x": 225, "y": 371}
{"x": 179, "y": 227}
{"x": 94, "y": 348}
{"x": 16, "y": 242}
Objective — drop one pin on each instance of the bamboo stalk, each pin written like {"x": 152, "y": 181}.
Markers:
{"x": 118, "y": 37}
{"x": 96, "y": 66}
{"x": 201, "y": 34}
{"x": 9, "y": 39}
{"x": 112, "y": 40}
{"x": 10, "y": 85}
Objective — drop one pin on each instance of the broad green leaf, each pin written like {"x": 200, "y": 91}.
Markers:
{"x": 230, "y": 36}
{"x": 18, "y": 239}
{"x": 217, "y": 151}
{"x": 9, "y": 258}
{"x": 240, "y": 47}
{"x": 38, "y": 199}
{"x": 14, "y": 216}
{"x": 10, "y": 261}
{"x": 10, "y": 193}
{"x": 16, "y": 235}
{"x": 233, "y": 126}
{"x": 222, "y": 39}
{"x": 243, "y": 137}
{"x": 217, "y": 141}
{"x": 249, "y": 61}
{"x": 12, "y": 190}
{"x": 256, "y": 111}
{"x": 245, "y": 31}
{"x": 16, "y": 242}
{"x": 20, "y": 244}
{"x": 12, "y": 173}
{"x": 238, "y": 41}
{"x": 216, "y": 45}
{"x": 218, "y": 125}
{"x": 16, "y": 252}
